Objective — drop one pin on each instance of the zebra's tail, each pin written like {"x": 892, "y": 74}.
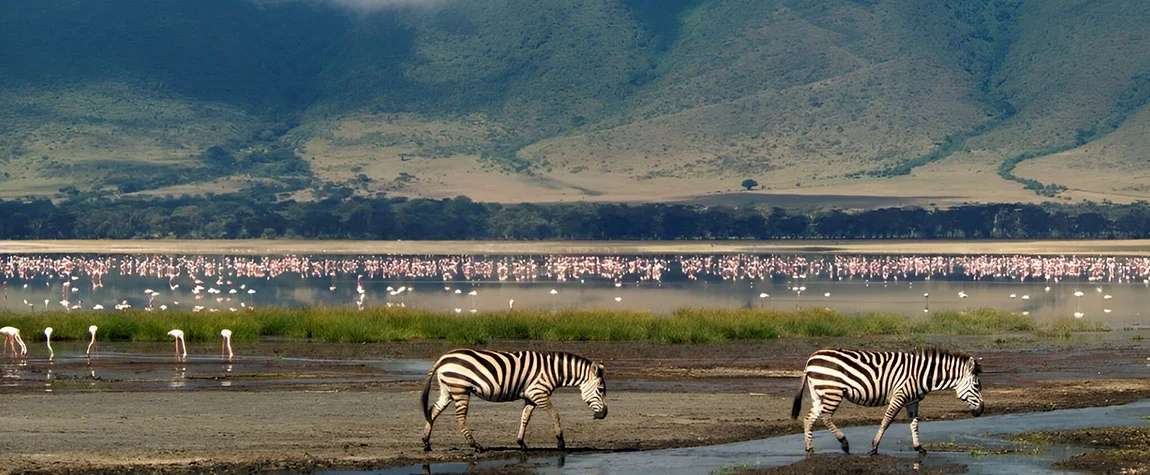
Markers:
{"x": 423, "y": 398}
{"x": 427, "y": 392}
{"x": 798, "y": 405}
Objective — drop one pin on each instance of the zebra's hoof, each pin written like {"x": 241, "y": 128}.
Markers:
{"x": 562, "y": 445}
{"x": 845, "y": 445}
{"x": 874, "y": 452}
{"x": 921, "y": 451}
{"x": 522, "y": 446}
{"x": 427, "y": 446}
{"x": 478, "y": 448}
{"x": 810, "y": 451}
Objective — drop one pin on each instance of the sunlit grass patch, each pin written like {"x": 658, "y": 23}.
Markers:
{"x": 687, "y": 325}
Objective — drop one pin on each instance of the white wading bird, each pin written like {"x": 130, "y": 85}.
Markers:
{"x": 227, "y": 344}
{"x": 13, "y": 335}
{"x": 180, "y": 343}
{"x": 92, "y": 330}
{"x": 48, "y": 341}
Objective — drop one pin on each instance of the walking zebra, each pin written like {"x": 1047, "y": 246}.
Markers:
{"x": 897, "y": 379}
{"x": 501, "y": 376}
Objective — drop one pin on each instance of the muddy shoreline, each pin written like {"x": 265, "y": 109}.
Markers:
{"x": 661, "y": 396}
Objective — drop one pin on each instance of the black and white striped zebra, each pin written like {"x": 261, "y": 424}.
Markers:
{"x": 501, "y": 376}
{"x": 894, "y": 379}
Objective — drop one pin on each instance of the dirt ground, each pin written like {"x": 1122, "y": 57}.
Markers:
{"x": 1127, "y": 247}
{"x": 659, "y": 396}
{"x": 1118, "y": 449}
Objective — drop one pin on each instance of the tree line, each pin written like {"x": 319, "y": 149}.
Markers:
{"x": 244, "y": 216}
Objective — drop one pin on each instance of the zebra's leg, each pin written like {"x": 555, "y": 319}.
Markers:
{"x": 912, "y": 413}
{"x": 830, "y": 405}
{"x": 545, "y": 404}
{"x": 528, "y": 408}
{"x": 461, "y": 401}
{"x": 809, "y": 423}
{"x": 440, "y": 405}
{"x": 892, "y": 410}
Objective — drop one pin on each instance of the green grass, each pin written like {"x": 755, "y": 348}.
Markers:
{"x": 975, "y": 450}
{"x": 688, "y": 325}
{"x": 1065, "y": 327}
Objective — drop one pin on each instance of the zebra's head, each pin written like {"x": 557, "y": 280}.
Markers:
{"x": 969, "y": 388}
{"x": 594, "y": 390}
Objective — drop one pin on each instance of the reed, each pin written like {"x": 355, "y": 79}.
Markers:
{"x": 687, "y": 325}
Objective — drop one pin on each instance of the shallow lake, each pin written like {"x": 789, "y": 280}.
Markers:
{"x": 785, "y": 450}
{"x": 1114, "y": 290}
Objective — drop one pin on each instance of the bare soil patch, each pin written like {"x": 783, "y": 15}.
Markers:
{"x": 660, "y": 396}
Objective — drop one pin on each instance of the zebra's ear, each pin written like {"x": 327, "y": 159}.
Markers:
{"x": 599, "y": 370}
{"x": 974, "y": 365}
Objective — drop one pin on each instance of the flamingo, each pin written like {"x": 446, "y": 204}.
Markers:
{"x": 13, "y": 335}
{"x": 48, "y": 341}
{"x": 179, "y": 336}
{"x": 227, "y": 345}
{"x": 92, "y": 330}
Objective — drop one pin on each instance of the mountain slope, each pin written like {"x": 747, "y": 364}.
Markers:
{"x": 548, "y": 100}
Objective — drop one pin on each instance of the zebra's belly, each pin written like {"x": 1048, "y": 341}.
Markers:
{"x": 863, "y": 399}
{"x": 498, "y": 396}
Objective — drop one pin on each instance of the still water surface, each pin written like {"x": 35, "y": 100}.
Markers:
{"x": 785, "y": 450}
{"x": 1113, "y": 290}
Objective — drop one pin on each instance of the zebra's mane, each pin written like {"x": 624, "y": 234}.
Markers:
{"x": 930, "y": 350}
{"x": 569, "y": 355}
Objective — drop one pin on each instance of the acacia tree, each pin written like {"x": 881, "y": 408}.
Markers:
{"x": 749, "y": 183}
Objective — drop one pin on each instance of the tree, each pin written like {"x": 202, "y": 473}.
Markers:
{"x": 749, "y": 183}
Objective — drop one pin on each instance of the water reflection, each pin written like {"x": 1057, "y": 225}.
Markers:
{"x": 178, "y": 378}
{"x": 1113, "y": 289}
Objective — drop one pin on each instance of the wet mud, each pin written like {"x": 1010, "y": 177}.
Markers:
{"x": 291, "y": 406}
{"x": 1116, "y": 449}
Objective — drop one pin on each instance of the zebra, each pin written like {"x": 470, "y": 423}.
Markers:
{"x": 501, "y": 376}
{"x": 896, "y": 379}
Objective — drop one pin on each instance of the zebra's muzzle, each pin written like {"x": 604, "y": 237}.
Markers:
{"x": 977, "y": 411}
{"x": 601, "y": 414}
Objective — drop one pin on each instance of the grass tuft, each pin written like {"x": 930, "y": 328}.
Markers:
{"x": 687, "y": 325}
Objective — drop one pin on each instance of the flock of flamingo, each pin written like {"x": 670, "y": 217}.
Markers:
{"x": 13, "y": 339}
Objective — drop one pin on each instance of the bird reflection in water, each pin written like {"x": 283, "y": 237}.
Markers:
{"x": 49, "y": 377}
{"x": 10, "y": 372}
{"x": 178, "y": 381}
{"x": 225, "y": 382}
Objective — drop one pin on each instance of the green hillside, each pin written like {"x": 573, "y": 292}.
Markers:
{"x": 558, "y": 100}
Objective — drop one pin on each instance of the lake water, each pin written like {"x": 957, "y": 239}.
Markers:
{"x": 1114, "y": 290}
{"x": 786, "y": 450}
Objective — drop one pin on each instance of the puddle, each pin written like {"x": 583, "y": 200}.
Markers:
{"x": 786, "y": 450}
{"x": 131, "y": 371}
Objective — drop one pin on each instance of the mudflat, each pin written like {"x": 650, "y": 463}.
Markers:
{"x": 659, "y": 396}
